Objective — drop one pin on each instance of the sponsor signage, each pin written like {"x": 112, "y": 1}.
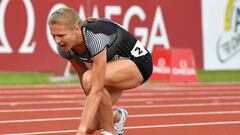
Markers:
{"x": 26, "y": 44}
{"x": 173, "y": 65}
{"x": 221, "y": 34}
{"x": 161, "y": 64}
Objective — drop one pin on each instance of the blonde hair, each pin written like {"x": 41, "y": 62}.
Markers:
{"x": 68, "y": 17}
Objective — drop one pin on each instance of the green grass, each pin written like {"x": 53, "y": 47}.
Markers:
{"x": 23, "y": 78}
{"x": 35, "y": 78}
{"x": 219, "y": 76}
{"x": 31, "y": 78}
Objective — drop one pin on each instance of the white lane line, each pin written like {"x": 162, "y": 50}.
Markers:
{"x": 139, "y": 127}
{"x": 130, "y": 107}
{"x": 189, "y": 88}
{"x": 122, "y": 100}
{"x": 130, "y": 116}
{"x": 179, "y": 98}
{"x": 181, "y": 93}
{"x": 80, "y": 90}
{"x": 142, "y": 87}
{"x": 43, "y": 102}
{"x": 42, "y": 110}
{"x": 43, "y": 96}
{"x": 185, "y": 125}
{"x": 127, "y": 94}
{"x": 46, "y": 132}
{"x": 125, "y": 106}
{"x": 39, "y": 120}
{"x": 40, "y": 91}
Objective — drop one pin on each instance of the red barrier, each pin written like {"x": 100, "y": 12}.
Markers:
{"x": 173, "y": 65}
{"x": 161, "y": 64}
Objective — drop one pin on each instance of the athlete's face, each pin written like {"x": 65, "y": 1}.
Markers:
{"x": 64, "y": 36}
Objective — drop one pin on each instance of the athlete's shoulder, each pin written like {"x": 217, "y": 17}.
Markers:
{"x": 100, "y": 26}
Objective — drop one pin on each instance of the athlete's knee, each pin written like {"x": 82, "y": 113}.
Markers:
{"x": 86, "y": 82}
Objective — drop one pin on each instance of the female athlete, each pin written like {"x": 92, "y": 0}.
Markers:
{"x": 119, "y": 62}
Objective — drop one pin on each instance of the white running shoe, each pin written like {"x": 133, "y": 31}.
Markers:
{"x": 120, "y": 125}
{"x": 106, "y": 133}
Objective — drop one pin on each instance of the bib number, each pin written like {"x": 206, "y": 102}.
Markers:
{"x": 138, "y": 50}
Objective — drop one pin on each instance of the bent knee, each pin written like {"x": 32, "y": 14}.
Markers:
{"x": 87, "y": 82}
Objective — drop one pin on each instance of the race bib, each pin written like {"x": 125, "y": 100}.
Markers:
{"x": 138, "y": 50}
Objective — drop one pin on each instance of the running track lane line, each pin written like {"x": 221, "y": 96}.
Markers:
{"x": 130, "y": 116}
{"x": 8, "y": 92}
{"x": 120, "y": 100}
{"x": 141, "y": 127}
{"x": 127, "y": 107}
{"x": 40, "y": 91}
{"x": 81, "y": 95}
{"x": 143, "y": 87}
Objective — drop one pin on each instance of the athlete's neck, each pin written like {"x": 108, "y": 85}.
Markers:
{"x": 80, "y": 46}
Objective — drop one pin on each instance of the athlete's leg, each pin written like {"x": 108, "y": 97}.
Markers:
{"x": 120, "y": 75}
{"x": 104, "y": 109}
{"x": 81, "y": 68}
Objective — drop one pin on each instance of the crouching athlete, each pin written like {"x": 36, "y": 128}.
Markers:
{"x": 119, "y": 62}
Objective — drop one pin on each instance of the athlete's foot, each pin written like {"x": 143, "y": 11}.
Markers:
{"x": 106, "y": 133}
{"x": 119, "y": 126}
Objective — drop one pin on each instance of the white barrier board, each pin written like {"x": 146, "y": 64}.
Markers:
{"x": 221, "y": 34}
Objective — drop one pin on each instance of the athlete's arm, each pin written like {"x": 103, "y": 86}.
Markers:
{"x": 96, "y": 92}
{"x": 79, "y": 67}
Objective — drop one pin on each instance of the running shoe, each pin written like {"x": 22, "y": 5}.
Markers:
{"x": 120, "y": 125}
{"x": 106, "y": 133}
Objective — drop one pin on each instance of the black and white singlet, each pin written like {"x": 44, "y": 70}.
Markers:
{"x": 118, "y": 43}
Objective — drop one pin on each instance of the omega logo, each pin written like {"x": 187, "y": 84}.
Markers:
{"x": 148, "y": 34}
{"x": 26, "y": 46}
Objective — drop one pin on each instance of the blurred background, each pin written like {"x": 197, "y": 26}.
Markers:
{"x": 192, "y": 41}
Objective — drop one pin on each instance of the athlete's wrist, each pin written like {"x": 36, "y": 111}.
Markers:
{"x": 82, "y": 131}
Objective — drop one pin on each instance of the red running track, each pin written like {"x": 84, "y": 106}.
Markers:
{"x": 154, "y": 109}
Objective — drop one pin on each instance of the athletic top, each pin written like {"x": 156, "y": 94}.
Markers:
{"x": 107, "y": 34}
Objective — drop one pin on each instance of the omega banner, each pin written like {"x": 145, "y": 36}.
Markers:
{"x": 26, "y": 44}
{"x": 221, "y": 34}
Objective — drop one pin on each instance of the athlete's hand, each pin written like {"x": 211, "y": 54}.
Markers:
{"x": 79, "y": 133}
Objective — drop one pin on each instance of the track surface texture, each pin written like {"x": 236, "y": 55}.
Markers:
{"x": 154, "y": 109}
